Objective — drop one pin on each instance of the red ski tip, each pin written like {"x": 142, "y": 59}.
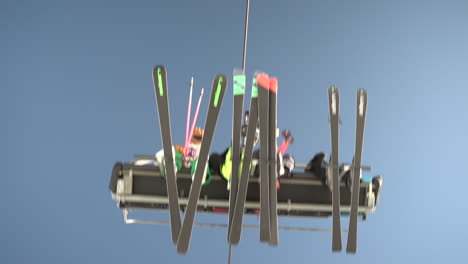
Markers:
{"x": 263, "y": 80}
{"x": 273, "y": 84}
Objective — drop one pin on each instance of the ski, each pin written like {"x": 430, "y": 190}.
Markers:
{"x": 216, "y": 99}
{"x": 272, "y": 160}
{"x": 235, "y": 232}
{"x": 334, "y": 109}
{"x": 356, "y": 169}
{"x": 160, "y": 88}
{"x": 263, "y": 82}
{"x": 239, "y": 91}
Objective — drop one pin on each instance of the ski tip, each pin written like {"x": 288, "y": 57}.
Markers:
{"x": 237, "y": 71}
{"x": 219, "y": 87}
{"x": 239, "y": 84}
{"x": 257, "y": 72}
{"x": 273, "y": 240}
{"x": 220, "y": 78}
{"x": 336, "y": 249}
{"x": 333, "y": 88}
{"x": 159, "y": 68}
{"x": 273, "y": 85}
{"x": 362, "y": 91}
{"x": 220, "y": 82}
{"x": 233, "y": 239}
{"x": 263, "y": 80}
{"x": 182, "y": 250}
{"x": 182, "y": 244}
{"x": 159, "y": 79}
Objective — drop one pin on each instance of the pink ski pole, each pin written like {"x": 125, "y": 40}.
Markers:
{"x": 194, "y": 121}
{"x": 288, "y": 139}
{"x": 187, "y": 126}
{"x": 284, "y": 147}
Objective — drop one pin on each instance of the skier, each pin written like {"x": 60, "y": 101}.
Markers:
{"x": 377, "y": 185}
{"x": 221, "y": 164}
{"x": 191, "y": 152}
{"x": 286, "y": 162}
{"x": 285, "y": 166}
{"x": 318, "y": 166}
{"x": 189, "y": 160}
{"x": 289, "y": 164}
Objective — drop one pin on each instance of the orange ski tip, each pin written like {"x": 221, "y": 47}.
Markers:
{"x": 263, "y": 80}
{"x": 273, "y": 84}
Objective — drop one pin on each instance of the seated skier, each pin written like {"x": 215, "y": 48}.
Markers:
{"x": 221, "y": 163}
{"x": 320, "y": 168}
{"x": 286, "y": 164}
{"x": 184, "y": 157}
{"x": 377, "y": 185}
{"x": 285, "y": 161}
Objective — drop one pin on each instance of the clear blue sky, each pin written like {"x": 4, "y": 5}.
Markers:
{"x": 77, "y": 96}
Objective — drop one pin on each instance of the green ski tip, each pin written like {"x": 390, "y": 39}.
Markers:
{"x": 333, "y": 88}
{"x": 254, "y": 89}
{"x": 160, "y": 85}
{"x": 239, "y": 84}
{"x": 218, "y": 91}
{"x": 362, "y": 91}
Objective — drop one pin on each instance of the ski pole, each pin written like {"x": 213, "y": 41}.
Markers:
{"x": 187, "y": 139}
{"x": 194, "y": 121}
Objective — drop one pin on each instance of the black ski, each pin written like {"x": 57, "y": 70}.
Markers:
{"x": 239, "y": 91}
{"x": 160, "y": 88}
{"x": 356, "y": 169}
{"x": 272, "y": 159}
{"x": 334, "y": 111}
{"x": 263, "y": 82}
{"x": 235, "y": 232}
{"x": 217, "y": 95}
